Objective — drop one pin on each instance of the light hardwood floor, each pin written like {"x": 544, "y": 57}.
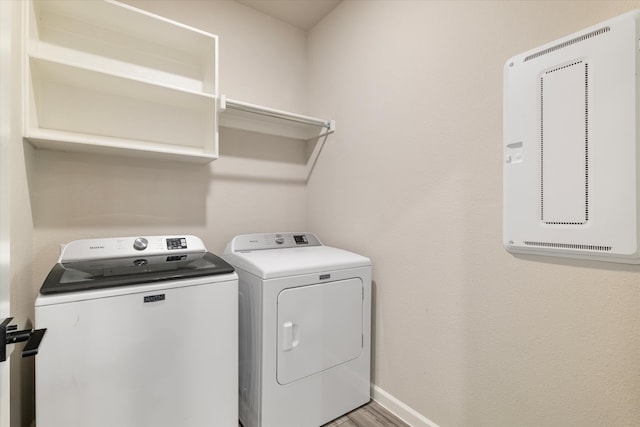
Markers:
{"x": 369, "y": 415}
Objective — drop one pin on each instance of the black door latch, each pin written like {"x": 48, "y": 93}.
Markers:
{"x": 10, "y": 335}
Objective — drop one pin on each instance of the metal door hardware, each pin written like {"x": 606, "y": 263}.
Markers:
{"x": 10, "y": 335}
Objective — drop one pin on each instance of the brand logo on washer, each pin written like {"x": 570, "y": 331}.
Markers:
{"x": 154, "y": 298}
{"x": 325, "y": 276}
{"x": 96, "y": 247}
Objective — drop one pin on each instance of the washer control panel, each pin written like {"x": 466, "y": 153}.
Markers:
{"x": 257, "y": 242}
{"x": 121, "y": 247}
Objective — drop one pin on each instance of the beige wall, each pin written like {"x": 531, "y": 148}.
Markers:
{"x": 465, "y": 333}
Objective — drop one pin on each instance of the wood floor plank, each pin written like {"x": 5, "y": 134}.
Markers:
{"x": 386, "y": 417}
{"x": 363, "y": 418}
{"x": 370, "y": 415}
{"x": 340, "y": 422}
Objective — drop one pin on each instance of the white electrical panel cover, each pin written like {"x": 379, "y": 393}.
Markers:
{"x": 570, "y": 159}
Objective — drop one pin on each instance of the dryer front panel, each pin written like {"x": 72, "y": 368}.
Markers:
{"x": 319, "y": 327}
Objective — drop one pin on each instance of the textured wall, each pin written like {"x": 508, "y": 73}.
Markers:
{"x": 465, "y": 333}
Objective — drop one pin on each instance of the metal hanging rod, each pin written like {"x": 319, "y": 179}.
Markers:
{"x": 230, "y": 104}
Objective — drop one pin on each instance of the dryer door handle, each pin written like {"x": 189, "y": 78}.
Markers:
{"x": 290, "y": 336}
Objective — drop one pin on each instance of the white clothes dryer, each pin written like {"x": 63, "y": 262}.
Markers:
{"x": 304, "y": 329}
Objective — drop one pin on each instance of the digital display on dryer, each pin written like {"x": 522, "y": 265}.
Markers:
{"x": 301, "y": 239}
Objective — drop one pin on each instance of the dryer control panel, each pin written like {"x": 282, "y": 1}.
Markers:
{"x": 256, "y": 242}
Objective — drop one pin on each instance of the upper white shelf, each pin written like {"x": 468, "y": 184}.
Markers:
{"x": 251, "y": 117}
{"x": 101, "y": 76}
{"x": 121, "y": 39}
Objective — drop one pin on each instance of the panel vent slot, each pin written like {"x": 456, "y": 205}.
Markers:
{"x": 568, "y": 43}
{"x": 564, "y": 144}
{"x": 569, "y": 246}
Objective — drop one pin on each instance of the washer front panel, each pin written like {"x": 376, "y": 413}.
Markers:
{"x": 153, "y": 358}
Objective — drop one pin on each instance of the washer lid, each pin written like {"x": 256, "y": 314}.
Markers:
{"x": 107, "y": 273}
{"x": 269, "y": 264}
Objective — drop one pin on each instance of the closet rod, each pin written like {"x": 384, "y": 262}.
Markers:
{"x": 283, "y": 115}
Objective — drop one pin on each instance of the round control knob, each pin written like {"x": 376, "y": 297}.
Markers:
{"x": 279, "y": 239}
{"x": 140, "y": 244}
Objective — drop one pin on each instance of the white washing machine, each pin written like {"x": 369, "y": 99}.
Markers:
{"x": 305, "y": 329}
{"x": 141, "y": 332}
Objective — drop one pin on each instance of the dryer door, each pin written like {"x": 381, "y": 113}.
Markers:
{"x": 319, "y": 327}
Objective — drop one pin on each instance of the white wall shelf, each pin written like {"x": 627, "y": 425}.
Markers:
{"x": 105, "y": 77}
{"x": 255, "y": 118}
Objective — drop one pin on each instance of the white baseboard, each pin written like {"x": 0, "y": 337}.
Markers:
{"x": 400, "y": 409}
